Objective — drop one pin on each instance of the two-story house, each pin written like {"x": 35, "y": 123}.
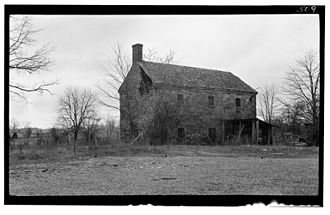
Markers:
{"x": 191, "y": 105}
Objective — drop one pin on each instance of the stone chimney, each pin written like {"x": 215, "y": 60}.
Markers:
{"x": 137, "y": 53}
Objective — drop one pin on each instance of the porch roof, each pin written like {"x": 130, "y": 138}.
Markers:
{"x": 255, "y": 119}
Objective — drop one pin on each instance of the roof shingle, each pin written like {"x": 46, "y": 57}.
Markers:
{"x": 193, "y": 77}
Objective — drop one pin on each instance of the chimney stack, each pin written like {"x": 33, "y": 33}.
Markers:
{"x": 137, "y": 53}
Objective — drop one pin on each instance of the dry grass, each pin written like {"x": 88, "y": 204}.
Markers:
{"x": 119, "y": 170}
{"x": 51, "y": 153}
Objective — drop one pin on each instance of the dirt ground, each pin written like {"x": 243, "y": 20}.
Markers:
{"x": 212, "y": 171}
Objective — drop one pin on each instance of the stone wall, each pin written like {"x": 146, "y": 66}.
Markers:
{"x": 196, "y": 116}
{"x": 138, "y": 109}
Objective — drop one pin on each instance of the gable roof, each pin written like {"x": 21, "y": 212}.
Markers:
{"x": 161, "y": 73}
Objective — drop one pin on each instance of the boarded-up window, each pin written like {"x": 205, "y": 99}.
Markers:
{"x": 212, "y": 134}
{"x": 180, "y": 98}
{"x": 211, "y": 100}
{"x": 238, "y": 102}
{"x": 181, "y": 133}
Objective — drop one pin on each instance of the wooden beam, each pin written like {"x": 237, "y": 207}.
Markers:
{"x": 270, "y": 135}
{"x": 253, "y": 132}
{"x": 136, "y": 139}
{"x": 257, "y": 131}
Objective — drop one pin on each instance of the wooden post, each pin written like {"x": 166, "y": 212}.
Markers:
{"x": 270, "y": 135}
{"x": 257, "y": 131}
{"x": 223, "y": 133}
{"x": 253, "y": 132}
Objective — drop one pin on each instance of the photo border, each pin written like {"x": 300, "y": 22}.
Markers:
{"x": 170, "y": 200}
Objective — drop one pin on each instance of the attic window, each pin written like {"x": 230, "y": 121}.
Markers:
{"x": 211, "y": 100}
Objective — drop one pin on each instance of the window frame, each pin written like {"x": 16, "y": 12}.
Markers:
{"x": 183, "y": 134}
{"x": 211, "y": 98}
{"x": 240, "y": 103}
{"x": 238, "y": 108}
{"x": 180, "y": 98}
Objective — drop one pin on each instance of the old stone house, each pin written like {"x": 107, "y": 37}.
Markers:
{"x": 180, "y": 104}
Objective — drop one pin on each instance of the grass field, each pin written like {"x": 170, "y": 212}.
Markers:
{"x": 134, "y": 170}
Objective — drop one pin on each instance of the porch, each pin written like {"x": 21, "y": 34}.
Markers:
{"x": 247, "y": 131}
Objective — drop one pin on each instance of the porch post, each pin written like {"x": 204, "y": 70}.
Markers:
{"x": 257, "y": 131}
{"x": 223, "y": 132}
{"x": 253, "y": 132}
{"x": 270, "y": 135}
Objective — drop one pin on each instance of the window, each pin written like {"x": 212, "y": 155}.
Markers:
{"x": 180, "y": 98}
{"x": 251, "y": 98}
{"x": 181, "y": 133}
{"x": 211, "y": 100}
{"x": 238, "y": 102}
{"x": 212, "y": 134}
{"x": 238, "y": 105}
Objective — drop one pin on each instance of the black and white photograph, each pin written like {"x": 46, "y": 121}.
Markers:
{"x": 203, "y": 104}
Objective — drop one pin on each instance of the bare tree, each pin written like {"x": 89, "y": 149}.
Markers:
{"x": 303, "y": 85}
{"x": 90, "y": 127}
{"x": 115, "y": 74}
{"x": 268, "y": 103}
{"x": 75, "y": 106}
{"x": 54, "y": 133}
{"x": 13, "y": 131}
{"x": 28, "y": 132}
{"x": 293, "y": 116}
{"x": 25, "y": 57}
{"x": 14, "y": 124}
{"x": 110, "y": 128}
{"x": 117, "y": 70}
{"x": 153, "y": 56}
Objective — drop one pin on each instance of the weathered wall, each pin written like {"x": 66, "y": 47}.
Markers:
{"x": 196, "y": 116}
{"x": 138, "y": 110}
{"x": 135, "y": 109}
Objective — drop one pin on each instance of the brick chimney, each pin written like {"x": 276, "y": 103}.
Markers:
{"x": 137, "y": 53}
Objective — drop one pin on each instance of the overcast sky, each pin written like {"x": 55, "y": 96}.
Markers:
{"x": 257, "y": 48}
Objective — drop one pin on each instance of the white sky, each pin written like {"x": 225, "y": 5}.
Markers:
{"x": 257, "y": 48}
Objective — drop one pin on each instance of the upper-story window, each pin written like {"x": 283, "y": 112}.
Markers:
{"x": 238, "y": 105}
{"x": 238, "y": 102}
{"x": 211, "y": 100}
{"x": 251, "y": 98}
{"x": 180, "y": 98}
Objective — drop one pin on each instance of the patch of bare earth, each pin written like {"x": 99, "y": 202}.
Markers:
{"x": 208, "y": 174}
